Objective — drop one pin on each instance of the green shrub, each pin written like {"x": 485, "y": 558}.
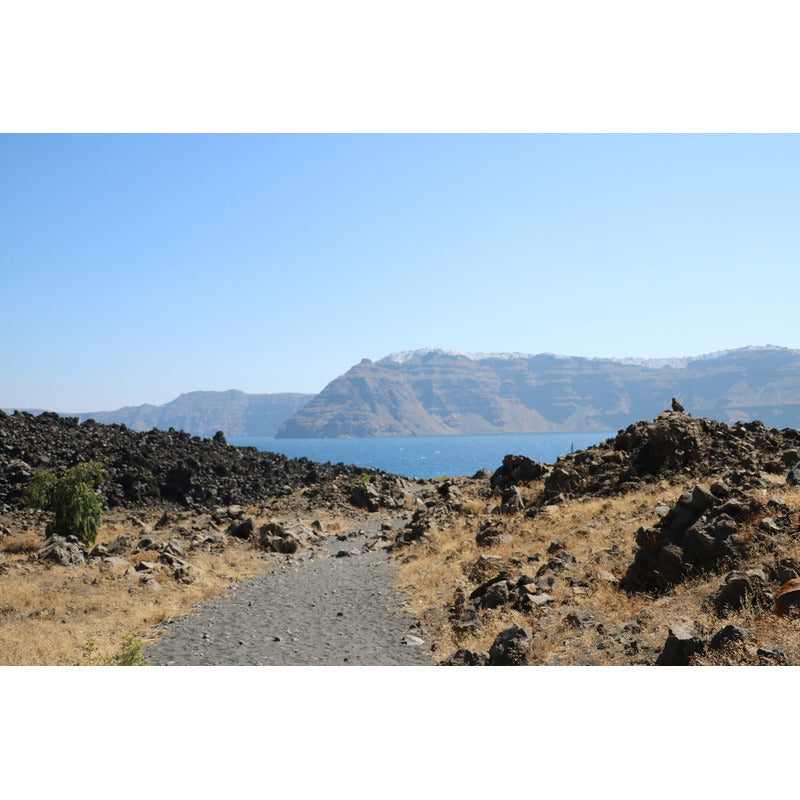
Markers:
{"x": 129, "y": 655}
{"x": 76, "y": 505}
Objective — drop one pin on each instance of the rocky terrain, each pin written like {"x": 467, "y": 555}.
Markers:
{"x": 668, "y": 544}
{"x": 676, "y": 542}
{"x": 435, "y": 392}
{"x": 146, "y": 468}
{"x": 187, "y": 518}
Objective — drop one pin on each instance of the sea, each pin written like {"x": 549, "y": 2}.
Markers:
{"x": 430, "y": 456}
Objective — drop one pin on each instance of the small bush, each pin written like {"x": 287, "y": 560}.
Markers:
{"x": 76, "y": 505}
{"x": 129, "y": 655}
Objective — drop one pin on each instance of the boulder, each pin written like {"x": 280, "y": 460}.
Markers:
{"x": 740, "y": 587}
{"x": 696, "y": 535}
{"x": 478, "y": 595}
{"x": 63, "y": 550}
{"x": 496, "y": 595}
{"x": 682, "y": 644}
{"x": 511, "y": 647}
{"x": 516, "y": 469}
{"x": 788, "y": 596}
{"x": 365, "y": 495}
{"x": 491, "y": 532}
{"x": 730, "y": 634}
{"x": 185, "y": 572}
{"x": 145, "y": 468}
{"x": 275, "y": 538}
{"x": 243, "y": 529}
{"x": 564, "y": 480}
{"x": 418, "y": 526}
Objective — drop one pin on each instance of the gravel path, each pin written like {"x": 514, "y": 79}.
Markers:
{"x": 315, "y": 609}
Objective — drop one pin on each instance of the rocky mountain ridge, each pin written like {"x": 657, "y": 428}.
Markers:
{"x": 204, "y": 413}
{"x": 436, "y": 392}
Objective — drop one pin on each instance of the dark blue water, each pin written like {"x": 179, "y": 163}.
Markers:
{"x": 430, "y": 456}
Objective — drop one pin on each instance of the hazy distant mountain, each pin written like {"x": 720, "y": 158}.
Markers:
{"x": 431, "y": 392}
{"x": 204, "y": 413}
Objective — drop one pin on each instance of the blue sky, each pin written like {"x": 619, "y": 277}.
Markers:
{"x": 137, "y": 267}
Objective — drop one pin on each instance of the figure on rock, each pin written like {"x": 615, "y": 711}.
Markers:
{"x": 676, "y": 406}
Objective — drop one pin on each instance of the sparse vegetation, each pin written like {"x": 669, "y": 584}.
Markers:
{"x": 72, "y": 498}
{"x": 48, "y": 615}
{"x": 128, "y": 655}
{"x": 23, "y": 542}
{"x": 590, "y": 619}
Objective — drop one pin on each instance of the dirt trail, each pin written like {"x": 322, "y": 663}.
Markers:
{"x": 317, "y": 608}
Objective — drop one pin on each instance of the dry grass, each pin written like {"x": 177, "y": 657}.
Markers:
{"x": 586, "y": 621}
{"x": 48, "y": 613}
{"x": 24, "y": 542}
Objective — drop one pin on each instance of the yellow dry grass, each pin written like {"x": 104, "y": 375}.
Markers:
{"x": 55, "y": 615}
{"x": 600, "y": 535}
{"x": 48, "y": 613}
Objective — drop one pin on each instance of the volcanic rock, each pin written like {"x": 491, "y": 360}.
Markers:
{"x": 682, "y": 644}
{"x": 155, "y": 466}
{"x": 511, "y": 647}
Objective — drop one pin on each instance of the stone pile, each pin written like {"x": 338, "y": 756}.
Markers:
{"x": 706, "y": 527}
{"x": 672, "y": 445}
{"x": 167, "y": 466}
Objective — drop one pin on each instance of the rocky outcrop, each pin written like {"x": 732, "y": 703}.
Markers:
{"x": 699, "y": 531}
{"x": 514, "y": 470}
{"x": 671, "y": 446}
{"x": 435, "y": 392}
{"x": 63, "y": 550}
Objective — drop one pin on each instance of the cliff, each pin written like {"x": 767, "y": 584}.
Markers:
{"x": 204, "y": 413}
{"x": 436, "y": 392}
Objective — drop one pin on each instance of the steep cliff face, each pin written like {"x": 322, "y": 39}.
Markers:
{"x": 204, "y": 413}
{"x": 435, "y": 392}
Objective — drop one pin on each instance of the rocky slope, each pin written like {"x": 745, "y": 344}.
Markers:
{"x": 204, "y": 413}
{"x": 434, "y": 392}
{"x": 146, "y": 468}
{"x": 669, "y": 544}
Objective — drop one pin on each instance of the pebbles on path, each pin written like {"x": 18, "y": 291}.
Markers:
{"x": 313, "y": 610}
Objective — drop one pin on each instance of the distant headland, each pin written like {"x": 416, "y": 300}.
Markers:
{"x": 434, "y": 392}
